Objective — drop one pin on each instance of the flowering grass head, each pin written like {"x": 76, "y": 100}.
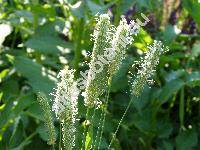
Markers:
{"x": 120, "y": 42}
{"x": 44, "y": 104}
{"x": 98, "y": 72}
{"x": 65, "y": 105}
{"x": 147, "y": 66}
{"x": 66, "y": 94}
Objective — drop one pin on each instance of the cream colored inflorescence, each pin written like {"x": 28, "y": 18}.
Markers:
{"x": 65, "y": 105}
{"x": 109, "y": 50}
{"x": 147, "y": 66}
{"x": 97, "y": 77}
{"x": 66, "y": 94}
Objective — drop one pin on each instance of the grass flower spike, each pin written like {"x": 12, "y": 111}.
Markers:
{"x": 147, "y": 67}
{"x": 65, "y": 105}
{"x": 121, "y": 40}
{"x": 66, "y": 94}
{"x": 98, "y": 72}
{"x": 43, "y": 101}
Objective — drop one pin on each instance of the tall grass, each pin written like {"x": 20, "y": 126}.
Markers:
{"x": 110, "y": 44}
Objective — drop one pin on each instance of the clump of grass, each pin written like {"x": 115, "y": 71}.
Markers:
{"x": 109, "y": 50}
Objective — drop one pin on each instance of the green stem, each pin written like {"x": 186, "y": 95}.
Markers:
{"x": 84, "y": 132}
{"x": 60, "y": 140}
{"x": 92, "y": 126}
{"x": 98, "y": 130}
{"x": 53, "y": 147}
{"x": 181, "y": 108}
{"x": 120, "y": 122}
{"x": 30, "y": 136}
{"x": 104, "y": 115}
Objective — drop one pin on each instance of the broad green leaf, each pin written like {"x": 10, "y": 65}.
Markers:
{"x": 163, "y": 128}
{"x": 38, "y": 77}
{"x": 168, "y": 145}
{"x": 169, "y": 89}
{"x": 186, "y": 140}
{"x": 13, "y": 108}
{"x": 120, "y": 79}
{"x": 175, "y": 74}
{"x": 47, "y": 40}
{"x": 43, "y": 132}
{"x": 10, "y": 88}
{"x": 95, "y": 8}
{"x": 35, "y": 111}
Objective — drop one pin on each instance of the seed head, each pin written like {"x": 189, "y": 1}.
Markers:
{"x": 120, "y": 42}
{"x": 43, "y": 101}
{"x": 65, "y": 105}
{"x": 98, "y": 72}
{"x": 66, "y": 95}
{"x": 147, "y": 66}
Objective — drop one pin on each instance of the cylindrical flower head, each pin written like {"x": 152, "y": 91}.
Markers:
{"x": 43, "y": 101}
{"x": 66, "y": 94}
{"x": 120, "y": 42}
{"x": 147, "y": 66}
{"x": 98, "y": 72}
{"x": 65, "y": 105}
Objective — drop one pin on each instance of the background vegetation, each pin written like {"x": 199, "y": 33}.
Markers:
{"x": 48, "y": 34}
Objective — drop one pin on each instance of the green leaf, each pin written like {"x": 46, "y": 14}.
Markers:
{"x": 193, "y": 79}
{"x": 168, "y": 145}
{"x": 43, "y": 132}
{"x": 169, "y": 35}
{"x": 142, "y": 40}
{"x": 120, "y": 79}
{"x": 47, "y": 40}
{"x": 195, "y": 50}
{"x": 17, "y": 134}
{"x": 186, "y": 140}
{"x": 169, "y": 89}
{"x": 38, "y": 77}
{"x": 193, "y": 7}
{"x": 89, "y": 139}
{"x": 181, "y": 107}
{"x": 14, "y": 108}
{"x": 35, "y": 111}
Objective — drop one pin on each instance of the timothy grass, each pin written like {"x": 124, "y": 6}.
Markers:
{"x": 98, "y": 82}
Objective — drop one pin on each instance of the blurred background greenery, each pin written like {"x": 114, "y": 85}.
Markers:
{"x": 44, "y": 35}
